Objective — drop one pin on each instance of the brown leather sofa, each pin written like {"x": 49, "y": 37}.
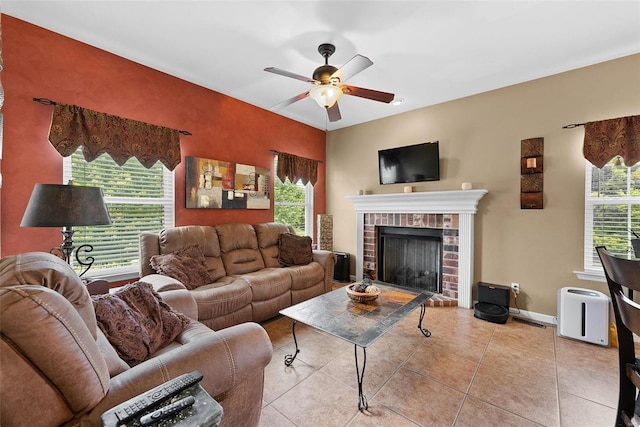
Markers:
{"x": 247, "y": 281}
{"x": 58, "y": 368}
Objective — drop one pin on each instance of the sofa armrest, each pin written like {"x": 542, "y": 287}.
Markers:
{"x": 162, "y": 283}
{"x": 182, "y": 301}
{"x": 327, "y": 260}
{"x": 225, "y": 358}
{"x": 149, "y": 246}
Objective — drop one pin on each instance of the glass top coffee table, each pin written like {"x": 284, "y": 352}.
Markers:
{"x": 360, "y": 323}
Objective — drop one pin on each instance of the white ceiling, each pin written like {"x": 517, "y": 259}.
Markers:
{"x": 425, "y": 52}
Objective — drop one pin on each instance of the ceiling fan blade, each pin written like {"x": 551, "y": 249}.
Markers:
{"x": 290, "y": 101}
{"x": 289, "y": 74}
{"x": 368, "y": 93}
{"x": 334, "y": 113}
{"x": 352, "y": 67}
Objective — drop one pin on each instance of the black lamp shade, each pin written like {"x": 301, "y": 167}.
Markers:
{"x": 57, "y": 205}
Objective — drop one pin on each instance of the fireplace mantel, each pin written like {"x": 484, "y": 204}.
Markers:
{"x": 462, "y": 202}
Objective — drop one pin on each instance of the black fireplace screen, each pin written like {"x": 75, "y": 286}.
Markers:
{"x": 410, "y": 257}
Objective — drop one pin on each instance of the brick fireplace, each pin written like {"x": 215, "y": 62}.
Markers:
{"x": 446, "y": 223}
{"x": 451, "y": 211}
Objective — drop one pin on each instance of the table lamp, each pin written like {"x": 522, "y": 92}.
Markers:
{"x": 58, "y": 205}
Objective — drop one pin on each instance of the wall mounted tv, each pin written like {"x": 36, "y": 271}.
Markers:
{"x": 413, "y": 163}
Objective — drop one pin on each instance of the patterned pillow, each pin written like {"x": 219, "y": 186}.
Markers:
{"x": 294, "y": 250}
{"x": 137, "y": 322}
{"x": 186, "y": 265}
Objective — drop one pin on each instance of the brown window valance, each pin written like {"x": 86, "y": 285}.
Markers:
{"x": 297, "y": 168}
{"x": 98, "y": 133}
{"x": 606, "y": 139}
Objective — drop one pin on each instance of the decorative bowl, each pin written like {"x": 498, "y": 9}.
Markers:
{"x": 361, "y": 296}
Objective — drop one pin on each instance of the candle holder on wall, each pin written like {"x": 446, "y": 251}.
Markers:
{"x": 531, "y": 169}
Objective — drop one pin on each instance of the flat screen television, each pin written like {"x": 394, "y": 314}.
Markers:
{"x": 413, "y": 163}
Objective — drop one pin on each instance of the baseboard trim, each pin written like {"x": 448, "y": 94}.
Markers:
{"x": 532, "y": 315}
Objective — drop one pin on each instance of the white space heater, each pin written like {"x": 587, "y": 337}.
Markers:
{"x": 583, "y": 314}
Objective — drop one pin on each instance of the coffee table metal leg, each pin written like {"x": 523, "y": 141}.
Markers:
{"x": 288, "y": 359}
{"x": 362, "y": 399}
{"x": 425, "y": 331}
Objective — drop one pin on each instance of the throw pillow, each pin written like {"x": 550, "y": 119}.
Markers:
{"x": 137, "y": 322}
{"x": 187, "y": 265}
{"x": 294, "y": 250}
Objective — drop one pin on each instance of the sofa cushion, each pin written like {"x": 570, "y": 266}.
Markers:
{"x": 50, "y": 271}
{"x": 239, "y": 247}
{"x": 186, "y": 265}
{"x": 221, "y": 298}
{"x": 47, "y": 352}
{"x": 137, "y": 322}
{"x": 205, "y": 237}
{"x": 268, "y": 283}
{"x": 268, "y": 234}
{"x": 294, "y": 250}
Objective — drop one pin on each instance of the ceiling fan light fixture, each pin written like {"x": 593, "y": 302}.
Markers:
{"x": 328, "y": 83}
{"x": 326, "y": 95}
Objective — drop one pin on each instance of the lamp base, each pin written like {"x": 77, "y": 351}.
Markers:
{"x": 65, "y": 251}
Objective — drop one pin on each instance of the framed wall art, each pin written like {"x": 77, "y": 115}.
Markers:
{"x": 214, "y": 184}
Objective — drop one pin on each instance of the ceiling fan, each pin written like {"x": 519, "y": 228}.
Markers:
{"x": 329, "y": 84}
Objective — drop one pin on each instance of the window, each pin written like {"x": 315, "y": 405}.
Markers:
{"x": 293, "y": 204}
{"x": 612, "y": 211}
{"x": 138, "y": 199}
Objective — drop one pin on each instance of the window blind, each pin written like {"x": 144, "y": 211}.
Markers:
{"x": 138, "y": 200}
{"x": 293, "y": 204}
{"x": 612, "y": 210}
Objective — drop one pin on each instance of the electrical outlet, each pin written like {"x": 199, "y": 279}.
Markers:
{"x": 515, "y": 287}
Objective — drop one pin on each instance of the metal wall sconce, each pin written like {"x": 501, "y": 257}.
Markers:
{"x": 531, "y": 169}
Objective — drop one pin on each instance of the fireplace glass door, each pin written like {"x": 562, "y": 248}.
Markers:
{"x": 410, "y": 257}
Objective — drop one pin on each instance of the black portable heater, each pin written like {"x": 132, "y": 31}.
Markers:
{"x": 493, "y": 303}
{"x": 341, "y": 269}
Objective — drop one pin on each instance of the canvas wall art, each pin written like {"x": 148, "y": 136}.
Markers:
{"x": 214, "y": 184}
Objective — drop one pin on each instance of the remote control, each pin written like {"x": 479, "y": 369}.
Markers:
{"x": 167, "y": 411}
{"x": 154, "y": 397}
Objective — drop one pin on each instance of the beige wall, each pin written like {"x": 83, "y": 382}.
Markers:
{"x": 480, "y": 142}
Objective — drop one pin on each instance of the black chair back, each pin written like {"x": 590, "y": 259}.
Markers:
{"x": 621, "y": 272}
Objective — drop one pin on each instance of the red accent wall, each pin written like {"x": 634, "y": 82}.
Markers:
{"x": 40, "y": 63}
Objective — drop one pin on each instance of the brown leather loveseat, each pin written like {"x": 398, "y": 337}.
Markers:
{"x": 59, "y": 369}
{"x": 247, "y": 281}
